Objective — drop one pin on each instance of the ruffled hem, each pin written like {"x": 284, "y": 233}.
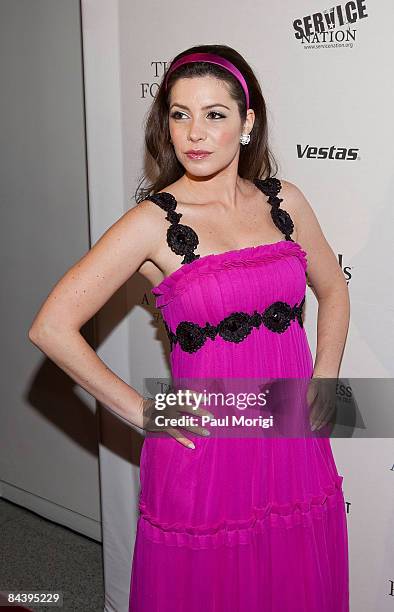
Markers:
{"x": 232, "y": 533}
{"x": 180, "y": 279}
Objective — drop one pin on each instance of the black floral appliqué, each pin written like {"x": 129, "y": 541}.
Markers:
{"x": 283, "y": 221}
{"x": 278, "y": 317}
{"x": 182, "y": 239}
{"x": 271, "y": 187}
{"x": 165, "y": 200}
{"x": 236, "y": 326}
{"x": 190, "y": 336}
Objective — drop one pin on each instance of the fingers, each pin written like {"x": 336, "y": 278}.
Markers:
{"x": 198, "y": 411}
{"x": 177, "y": 418}
{"x": 323, "y": 403}
{"x": 192, "y": 407}
{"x": 326, "y": 416}
{"x": 198, "y": 430}
{"x": 180, "y": 438}
{"x": 324, "y": 412}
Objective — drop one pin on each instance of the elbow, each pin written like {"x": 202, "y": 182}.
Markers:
{"x": 46, "y": 336}
{"x": 336, "y": 290}
{"x": 35, "y": 330}
{"x": 34, "y": 334}
{"x": 339, "y": 293}
{"x": 46, "y": 340}
{"x": 338, "y": 299}
{"x": 40, "y": 333}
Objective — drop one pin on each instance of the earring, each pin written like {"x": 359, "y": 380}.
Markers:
{"x": 244, "y": 139}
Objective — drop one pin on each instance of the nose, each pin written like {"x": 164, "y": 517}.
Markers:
{"x": 196, "y": 132}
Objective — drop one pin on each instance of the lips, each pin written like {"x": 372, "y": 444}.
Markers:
{"x": 197, "y": 152}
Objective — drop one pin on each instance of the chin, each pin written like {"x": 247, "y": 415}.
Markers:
{"x": 201, "y": 173}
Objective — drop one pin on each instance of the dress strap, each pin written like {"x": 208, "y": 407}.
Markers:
{"x": 271, "y": 186}
{"x": 182, "y": 239}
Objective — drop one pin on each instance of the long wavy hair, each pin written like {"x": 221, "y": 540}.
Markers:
{"x": 255, "y": 159}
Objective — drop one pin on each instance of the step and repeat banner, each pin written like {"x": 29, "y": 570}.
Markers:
{"x": 326, "y": 75}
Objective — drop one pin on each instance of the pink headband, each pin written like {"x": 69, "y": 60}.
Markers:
{"x": 211, "y": 58}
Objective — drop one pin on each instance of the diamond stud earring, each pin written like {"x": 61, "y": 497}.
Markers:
{"x": 244, "y": 139}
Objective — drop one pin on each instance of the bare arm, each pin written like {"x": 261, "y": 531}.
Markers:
{"x": 81, "y": 292}
{"x": 327, "y": 282}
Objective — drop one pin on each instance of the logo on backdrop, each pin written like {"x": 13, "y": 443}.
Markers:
{"x": 311, "y": 152}
{"x": 334, "y": 27}
{"x": 347, "y": 270}
{"x": 149, "y": 89}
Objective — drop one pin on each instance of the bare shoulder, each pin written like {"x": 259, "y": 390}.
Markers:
{"x": 134, "y": 232}
{"x": 149, "y": 219}
{"x": 147, "y": 211}
{"x": 301, "y": 211}
{"x": 294, "y": 199}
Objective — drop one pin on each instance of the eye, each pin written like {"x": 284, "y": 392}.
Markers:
{"x": 175, "y": 114}
{"x": 217, "y": 113}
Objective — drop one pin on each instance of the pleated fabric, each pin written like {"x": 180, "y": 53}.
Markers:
{"x": 239, "y": 524}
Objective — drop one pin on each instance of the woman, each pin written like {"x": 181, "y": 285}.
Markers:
{"x": 227, "y": 522}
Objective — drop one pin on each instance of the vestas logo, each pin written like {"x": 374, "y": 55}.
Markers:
{"x": 322, "y": 29}
{"x": 332, "y": 152}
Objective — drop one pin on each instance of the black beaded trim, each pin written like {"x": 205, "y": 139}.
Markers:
{"x": 183, "y": 240}
{"x": 271, "y": 187}
{"x": 235, "y": 327}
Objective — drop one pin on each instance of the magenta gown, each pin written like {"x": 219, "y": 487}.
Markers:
{"x": 239, "y": 524}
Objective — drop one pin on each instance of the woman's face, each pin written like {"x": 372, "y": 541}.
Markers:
{"x": 203, "y": 116}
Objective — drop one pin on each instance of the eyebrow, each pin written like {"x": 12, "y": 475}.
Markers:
{"x": 204, "y": 107}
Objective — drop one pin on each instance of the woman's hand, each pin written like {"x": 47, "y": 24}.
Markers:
{"x": 321, "y": 398}
{"x": 149, "y": 414}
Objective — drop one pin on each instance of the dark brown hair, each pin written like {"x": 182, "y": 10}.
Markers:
{"x": 255, "y": 159}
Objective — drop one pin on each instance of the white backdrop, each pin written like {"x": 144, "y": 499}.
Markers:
{"x": 330, "y": 107}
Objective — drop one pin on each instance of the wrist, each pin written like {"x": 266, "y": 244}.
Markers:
{"x": 320, "y": 371}
{"x": 324, "y": 375}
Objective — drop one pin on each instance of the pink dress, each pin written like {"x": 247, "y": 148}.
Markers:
{"x": 239, "y": 524}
